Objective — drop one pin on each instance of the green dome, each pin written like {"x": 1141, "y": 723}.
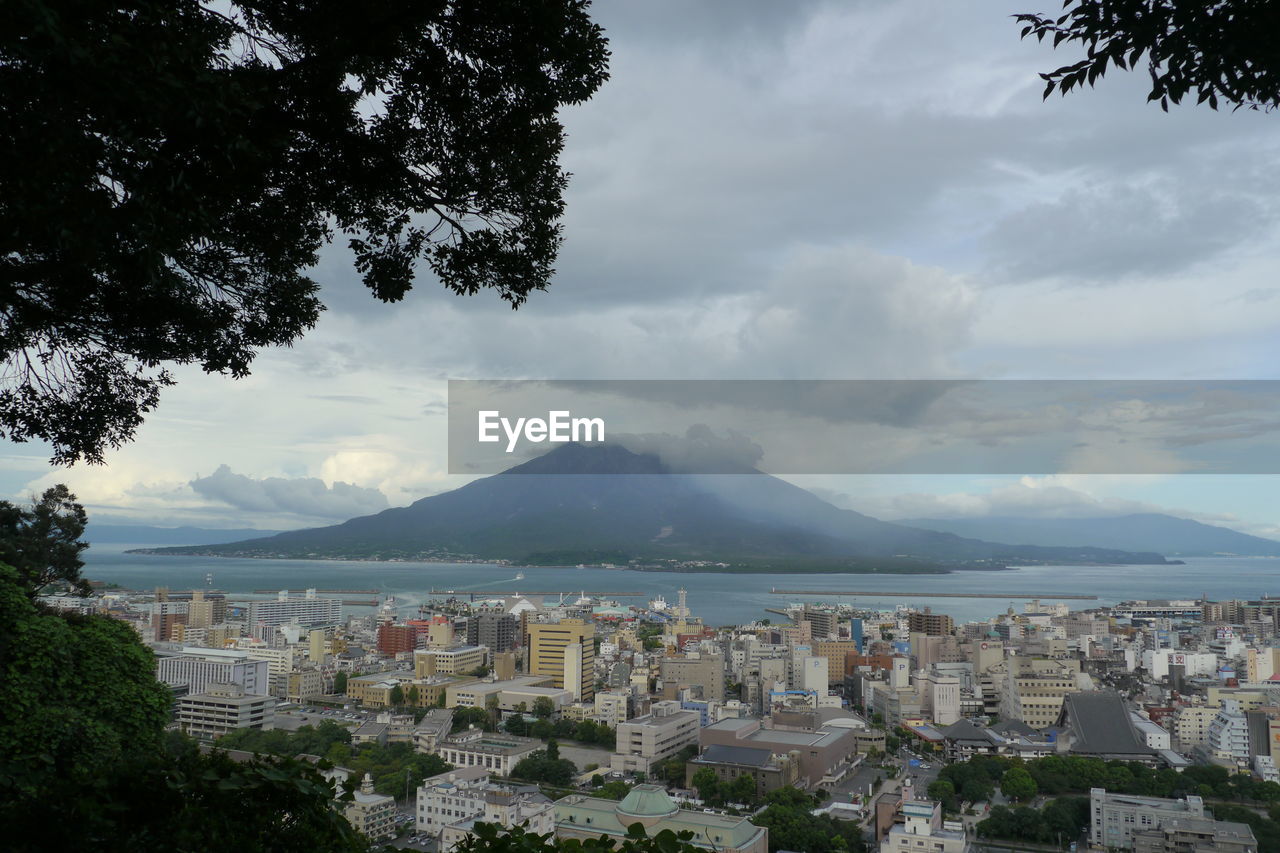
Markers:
{"x": 645, "y": 804}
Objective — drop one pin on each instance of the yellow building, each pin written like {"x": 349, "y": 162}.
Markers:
{"x": 374, "y": 691}
{"x": 566, "y": 651}
{"x": 459, "y": 660}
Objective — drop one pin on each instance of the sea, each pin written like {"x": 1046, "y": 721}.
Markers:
{"x": 718, "y": 598}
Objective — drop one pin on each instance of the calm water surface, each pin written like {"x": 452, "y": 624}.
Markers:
{"x": 720, "y": 599}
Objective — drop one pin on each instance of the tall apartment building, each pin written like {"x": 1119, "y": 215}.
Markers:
{"x": 496, "y": 631}
{"x": 823, "y": 623}
{"x": 166, "y": 615}
{"x": 927, "y": 622}
{"x": 309, "y": 609}
{"x": 655, "y": 737}
{"x": 697, "y": 670}
{"x": 206, "y": 611}
{"x": 223, "y": 708}
{"x": 566, "y": 651}
{"x": 197, "y": 668}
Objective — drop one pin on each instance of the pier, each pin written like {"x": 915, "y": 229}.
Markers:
{"x": 319, "y": 591}
{"x": 493, "y": 593}
{"x": 917, "y": 594}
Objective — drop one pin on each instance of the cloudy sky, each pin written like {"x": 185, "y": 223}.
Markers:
{"x": 843, "y": 190}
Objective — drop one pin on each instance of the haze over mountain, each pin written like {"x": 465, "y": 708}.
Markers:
{"x": 604, "y": 503}
{"x": 143, "y": 534}
{"x": 1167, "y": 534}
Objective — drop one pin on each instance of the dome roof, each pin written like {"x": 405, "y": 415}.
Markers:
{"x": 646, "y": 804}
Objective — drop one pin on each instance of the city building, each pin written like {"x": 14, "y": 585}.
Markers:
{"x": 309, "y": 610}
{"x": 566, "y": 651}
{"x": 582, "y": 817}
{"x": 769, "y": 770}
{"x": 1114, "y": 818}
{"x": 702, "y": 671}
{"x": 223, "y": 708}
{"x": 196, "y": 668}
{"x": 654, "y": 737}
{"x": 449, "y": 797}
{"x": 373, "y": 815}
{"x": 506, "y": 807}
{"x": 927, "y": 622}
{"x": 497, "y": 753}
{"x": 499, "y": 632}
{"x": 456, "y": 660}
{"x": 922, "y": 829}
{"x": 826, "y": 753}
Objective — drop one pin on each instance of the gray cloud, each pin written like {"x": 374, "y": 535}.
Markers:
{"x": 307, "y": 496}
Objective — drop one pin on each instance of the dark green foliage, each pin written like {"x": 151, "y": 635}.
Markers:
{"x": 715, "y": 792}
{"x": 85, "y": 763}
{"x": 169, "y": 170}
{"x": 340, "y": 683}
{"x": 1224, "y": 50}
{"x": 489, "y": 838}
{"x": 977, "y": 778}
{"x": 77, "y": 695}
{"x": 945, "y": 793}
{"x": 396, "y": 696}
{"x": 1060, "y": 821}
{"x": 1017, "y": 784}
{"x": 465, "y": 717}
{"x": 672, "y": 770}
{"x": 388, "y": 765}
{"x": 614, "y": 790}
{"x": 545, "y": 765}
{"x": 1265, "y": 829}
{"x": 42, "y": 541}
{"x": 307, "y": 740}
{"x": 793, "y": 827}
{"x": 543, "y": 707}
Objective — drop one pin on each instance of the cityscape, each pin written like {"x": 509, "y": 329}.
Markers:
{"x": 1040, "y": 727}
{"x": 639, "y": 426}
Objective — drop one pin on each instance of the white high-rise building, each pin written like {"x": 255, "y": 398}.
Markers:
{"x": 198, "y": 668}
{"x": 309, "y": 610}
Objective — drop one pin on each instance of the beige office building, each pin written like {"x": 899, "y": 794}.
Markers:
{"x": 566, "y": 651}
{"x": 655, "y": 737}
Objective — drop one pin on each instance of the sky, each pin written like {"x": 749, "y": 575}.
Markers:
{"x": 809, "y": 190}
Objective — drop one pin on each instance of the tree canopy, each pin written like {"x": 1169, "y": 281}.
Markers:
{"x": 1222, "y": 51}
{"x": 42, "y": 541}
{"x": 85, "y": 763}
{"x": 170, "y": 170}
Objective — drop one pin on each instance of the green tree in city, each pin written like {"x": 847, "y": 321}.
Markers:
{"x": 943, "y": 792}
{"x": 395, "y": 696}
{"x": 707, "y": 784}
{"x": 464, "y": 718}
{"x": 1017, "y": 785}
{"x": 793, "y": 826}
{"x": 543, "y": 707}
{"x": 340, "y": 683}
{"x": 412, "y": 695}
{"x": 491, "y": 838}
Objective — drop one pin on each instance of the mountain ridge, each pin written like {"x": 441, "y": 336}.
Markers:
{"x": 606, "y": 499}
{"x": 1134, "y": 531}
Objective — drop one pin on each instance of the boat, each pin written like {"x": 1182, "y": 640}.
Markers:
{"x": 519, "y": 576}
